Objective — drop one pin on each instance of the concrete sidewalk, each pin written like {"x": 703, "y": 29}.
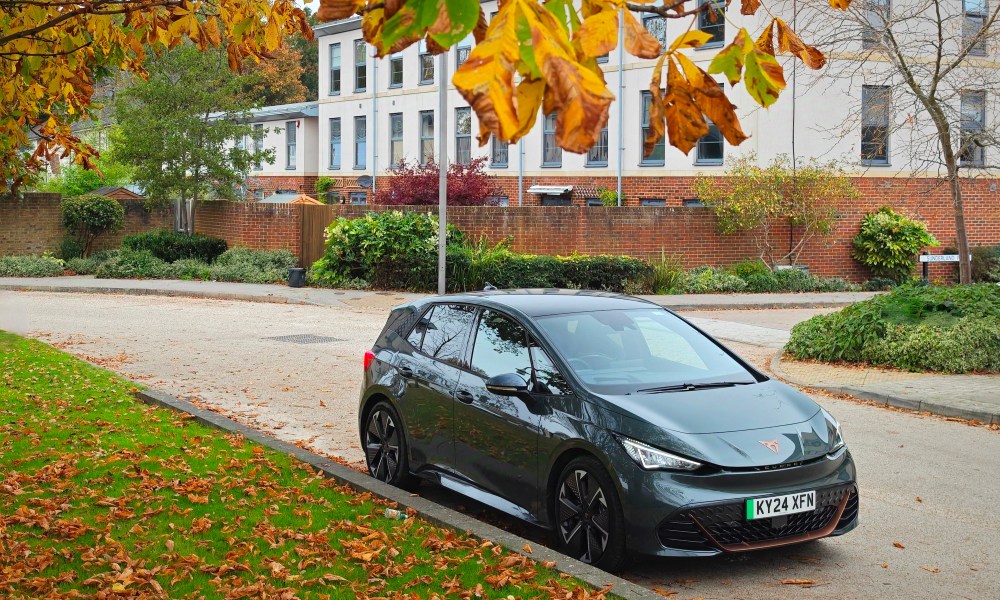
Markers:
{"x": 975, "y": 397}
{"x": 323, "y": 297}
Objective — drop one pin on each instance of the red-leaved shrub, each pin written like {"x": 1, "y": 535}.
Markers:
{"x": 468, "y": 185}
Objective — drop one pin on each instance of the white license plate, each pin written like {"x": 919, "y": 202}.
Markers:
{"x": 775, "y": 506}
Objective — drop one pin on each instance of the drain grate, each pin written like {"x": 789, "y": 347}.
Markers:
{"x": 304, "y": 338}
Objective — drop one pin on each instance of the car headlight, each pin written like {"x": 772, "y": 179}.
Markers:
{"x": 837, "y": 441}
{"x": 651, "y": 459}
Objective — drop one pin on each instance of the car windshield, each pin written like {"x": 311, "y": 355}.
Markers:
{"x": 640, "y": 350}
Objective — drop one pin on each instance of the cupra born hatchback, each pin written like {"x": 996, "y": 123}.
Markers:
{"x": 607, "y": 419}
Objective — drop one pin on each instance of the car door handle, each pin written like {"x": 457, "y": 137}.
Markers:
{"x": 464, "y": 396}
{"x": 406, "y": 372}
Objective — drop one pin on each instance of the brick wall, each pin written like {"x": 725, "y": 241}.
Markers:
{"x": 646, "y": 232}
{"x": 33, "y": 224}
{"x": 259, "y": 226}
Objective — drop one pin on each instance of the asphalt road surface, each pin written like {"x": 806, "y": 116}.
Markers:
{"x": 930, "y": 487}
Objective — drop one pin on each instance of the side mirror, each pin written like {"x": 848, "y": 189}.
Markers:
{"x": 507, "y": 384}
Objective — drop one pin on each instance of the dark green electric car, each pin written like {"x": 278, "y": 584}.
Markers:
{"x": 608, "y": 419}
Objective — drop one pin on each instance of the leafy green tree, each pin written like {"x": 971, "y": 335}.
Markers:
{"x": 90, "y": 215}
{"x": 755, "y": 199}
{"x": 74, "y": 180}
{"x": 183, "y": 129}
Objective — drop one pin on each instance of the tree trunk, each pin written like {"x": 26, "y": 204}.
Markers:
{"x": 961, "y": 238}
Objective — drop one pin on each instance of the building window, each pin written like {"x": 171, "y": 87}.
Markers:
{"x": 358, "y": 197}
{"x": 258, "y": 145}
{"x": 258, "y": 195}
{"x": 499, "y": 201}
{"x": 498, "y": 153}
{"x": 395, "y": 139}
{"x": 335, "y": 143}
{"x": 712, "y": 20}
{"x": 602, "y": 59}
{"x": 876, "y": 105}
{"x": 334, "y": 69}
{"x": 975, "y": 19}
{"x": 463, "y": 135}
{"x": 551, "y": 152}
{"x": 593, "y": 202}
{"x": 291, "y": 133}
{"x": 657, "y": 27}
{"x": 360, "y": 142}
{"x": 360, "y": 66}
{"x": 396, "y": 70}
{"x": 877, "y": 15}
{"x": 657, "y": 156}
{"x": 462, "y": 51}
{"x": 426, "y": 65}
{"x": 598, "y": 154}
{"x": 426, "y": 136}
{"x": 652, "y": 202}
{"x": 973, "y": 125}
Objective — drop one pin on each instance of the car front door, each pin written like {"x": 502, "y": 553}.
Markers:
{"x": 431, "y": 372}
{"x": 496, "y": 437}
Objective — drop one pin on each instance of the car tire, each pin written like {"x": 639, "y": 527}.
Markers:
{"x": 591, "y": 530}
{"x": 385, "y": 448}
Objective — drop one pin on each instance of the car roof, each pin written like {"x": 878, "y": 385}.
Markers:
{"x": 540, "y": 302}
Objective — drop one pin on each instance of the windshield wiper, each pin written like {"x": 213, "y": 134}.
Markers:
{"x": 690, "y": 387}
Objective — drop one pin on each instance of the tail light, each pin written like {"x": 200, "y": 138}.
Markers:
{"x": 369, "y": 357}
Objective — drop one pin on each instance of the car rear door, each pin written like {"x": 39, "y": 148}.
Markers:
{"x": 431, "y": 371}
{"x": 496, "y": 437}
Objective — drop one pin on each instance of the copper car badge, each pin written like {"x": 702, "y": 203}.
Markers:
{"x": 772, "y": 445}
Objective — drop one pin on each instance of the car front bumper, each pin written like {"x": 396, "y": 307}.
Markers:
{"x": 684, "y": 514}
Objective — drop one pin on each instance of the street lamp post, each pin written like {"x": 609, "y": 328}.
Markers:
{"x": 443, "y": 172}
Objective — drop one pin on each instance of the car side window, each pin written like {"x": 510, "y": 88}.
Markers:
{"x": 548, "y": 379}
{"x": 501, "y": 347}
{"x": 445, "y": 330}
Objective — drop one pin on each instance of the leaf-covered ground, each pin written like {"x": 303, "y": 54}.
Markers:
{"x": 102, "y": 496}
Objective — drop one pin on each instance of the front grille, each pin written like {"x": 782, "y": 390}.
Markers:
{"x": 727, "y": 524}
{"x": 682, "y": 533}
{"x": 850, "y": 511}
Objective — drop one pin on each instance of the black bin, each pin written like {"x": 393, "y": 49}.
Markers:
{"x": 296, "y": 277}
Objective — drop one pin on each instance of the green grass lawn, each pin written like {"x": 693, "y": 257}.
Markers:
{"x": 103, "y": 496}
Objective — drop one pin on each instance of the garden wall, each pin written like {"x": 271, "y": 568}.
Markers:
{"x": 33, "y": 224}
{"x": 643, "y": 232}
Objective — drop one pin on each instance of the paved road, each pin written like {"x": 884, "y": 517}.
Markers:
{"x": 224, "y": 354}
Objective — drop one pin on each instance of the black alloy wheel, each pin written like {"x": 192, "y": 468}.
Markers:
{"x": 589, "y": 520}
{"x": 385, "y": 446}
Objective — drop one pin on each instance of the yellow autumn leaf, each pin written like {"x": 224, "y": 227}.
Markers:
{"x": 485, "y": 80}
{"x": 766, "y": 40}
{"x": 599, "y": 33}
{"x": 789, "y": 42}
{"x": 841, "y": 4}
{"x": 690, "y": 39}
{"x": 685, "y": 124}
{"x": 712, "y": 101}
{"x": 638, "y": 41}
{"x": 580, "y": 96}
{"x": 334, "y": 10}
{"x": 528, "y": 100}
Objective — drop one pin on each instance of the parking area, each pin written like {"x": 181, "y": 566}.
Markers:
{"x": 294, "y": 371}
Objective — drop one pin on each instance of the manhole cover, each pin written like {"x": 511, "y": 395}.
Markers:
{"x": 304, "y": 338}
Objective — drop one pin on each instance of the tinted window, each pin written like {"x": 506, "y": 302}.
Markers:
{"x": 548, "y": 379}
{"x": 621, "y": 351}
{"x": 500, "y": 347}
{"x": 446, "y": 328}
